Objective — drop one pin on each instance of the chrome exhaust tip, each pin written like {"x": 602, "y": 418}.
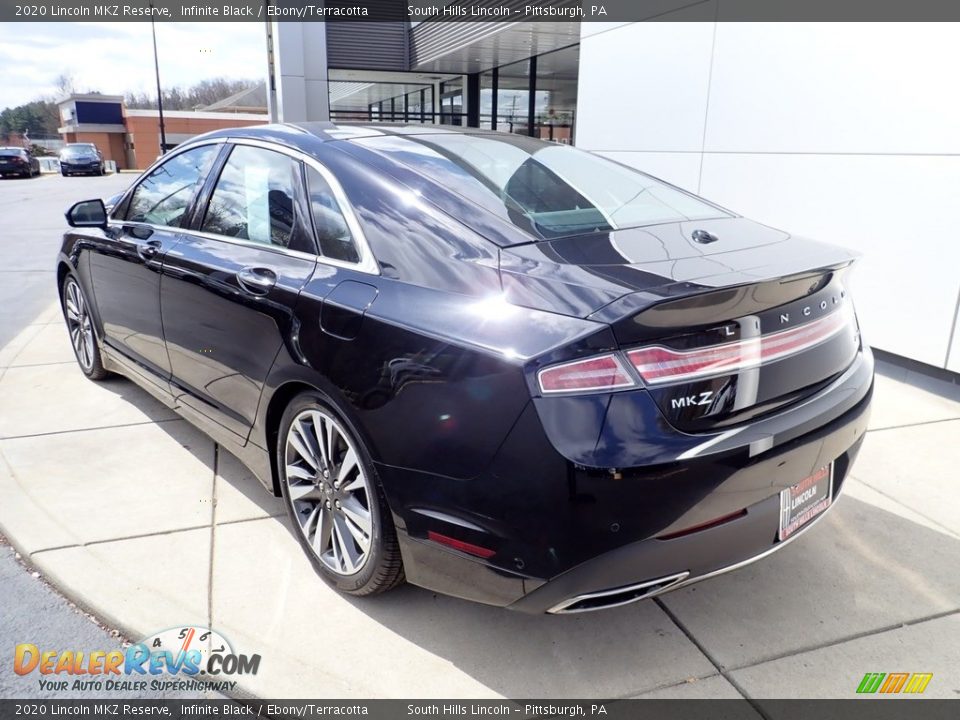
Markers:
{"x": 616, "y": 597}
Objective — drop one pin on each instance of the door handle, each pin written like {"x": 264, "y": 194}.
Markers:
{"x": 257, "y": 280}
{"x": 148, "y": 249}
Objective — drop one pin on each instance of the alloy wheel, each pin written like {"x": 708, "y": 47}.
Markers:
{"x": 79, "y": 325}
{"x": 329, "y": 491}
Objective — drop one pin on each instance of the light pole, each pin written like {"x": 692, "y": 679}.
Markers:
{"x": 156, "y": 69}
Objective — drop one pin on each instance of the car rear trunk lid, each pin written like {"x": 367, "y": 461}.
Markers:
{"x": 720, "y": 332}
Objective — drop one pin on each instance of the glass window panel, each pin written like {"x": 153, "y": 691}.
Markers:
{"x": 333, "y": 234}
{"x": 550, "y": 189}
{"x": 556, "y": 96}
{"x": 165, "y": 194}
{"x": 254, "y": 197}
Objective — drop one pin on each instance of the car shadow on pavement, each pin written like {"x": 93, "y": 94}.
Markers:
{"x": 861, "y": 570}
{"x": 248, "y": 497}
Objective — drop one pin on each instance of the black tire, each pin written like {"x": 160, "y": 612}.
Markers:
{"x": 318, "y": 499}
{"x": 83, "y": 338}
{"x": 64, "y": 173}
{"x": 28, "y": 174}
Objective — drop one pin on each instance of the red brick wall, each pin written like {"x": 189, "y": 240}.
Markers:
{"x": 145, "y": 132}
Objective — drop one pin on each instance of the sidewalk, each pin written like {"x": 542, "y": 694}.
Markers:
{"x": 140, "y": 519}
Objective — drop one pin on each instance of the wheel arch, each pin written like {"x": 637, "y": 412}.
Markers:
{"x": 280, "y": 399}
{"x": 63, "y": 269}
{"x": 278, "y": 403}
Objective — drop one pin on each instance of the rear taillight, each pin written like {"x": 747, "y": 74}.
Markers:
{"x": 605, "y": 372}
{"x": 658, "y": 364}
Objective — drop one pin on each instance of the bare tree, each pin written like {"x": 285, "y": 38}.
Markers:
{"x": 205, "y": 92}
{"x": 65, "y": 84}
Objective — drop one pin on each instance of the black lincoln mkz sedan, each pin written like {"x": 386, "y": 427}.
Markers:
{"x": 504, "y": 369}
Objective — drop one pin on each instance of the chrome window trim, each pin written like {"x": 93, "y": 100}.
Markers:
{"x": 368, "y": 263}
{"x": 242, "y": 242}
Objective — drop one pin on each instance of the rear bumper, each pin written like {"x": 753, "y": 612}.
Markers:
{"x": 80, "y": 168}
{"x": 652, "y": 567}
{"x": 600, "y": 530}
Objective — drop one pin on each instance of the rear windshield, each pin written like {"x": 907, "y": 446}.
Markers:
{"x": 10, "y": 152}
{"x": 82, "y": 151}
{"x": 548, "y": 189}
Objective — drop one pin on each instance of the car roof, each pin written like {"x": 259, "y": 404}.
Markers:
{"x": 304, "y": 134}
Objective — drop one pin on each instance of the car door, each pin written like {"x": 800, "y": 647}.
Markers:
{"x": 126, "y": 266}
{"x": 229, "y": 288}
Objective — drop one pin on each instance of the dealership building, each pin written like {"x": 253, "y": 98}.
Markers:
{"x": 843, "y": 132}
{"x": 131, "y": 137}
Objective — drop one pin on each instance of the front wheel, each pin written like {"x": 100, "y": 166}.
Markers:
{"x": 76, "y": 311}
{"x": 333, "y": 497}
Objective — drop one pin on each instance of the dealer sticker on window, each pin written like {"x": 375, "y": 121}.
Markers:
{"x": 802, "y": 502}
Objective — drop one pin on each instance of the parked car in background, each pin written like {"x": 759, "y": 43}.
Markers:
{"x": 81, "y": 159}
{"x": 506, "y": 369}
{"x": 17, "y": 161}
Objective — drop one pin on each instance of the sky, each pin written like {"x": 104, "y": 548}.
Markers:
{"x": 113, "y": 57}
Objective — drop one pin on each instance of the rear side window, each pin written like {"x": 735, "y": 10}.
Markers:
{"x": 166, "y": 193}
{"x": 333, "y": 233}
{"x": 254, "y": 197}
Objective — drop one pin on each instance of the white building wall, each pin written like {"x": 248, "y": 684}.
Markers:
{"x": 299, "y": 72}
{"x": 848, "y": 133}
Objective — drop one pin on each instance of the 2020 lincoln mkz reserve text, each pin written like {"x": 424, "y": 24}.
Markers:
{"x": 501, "y": 368}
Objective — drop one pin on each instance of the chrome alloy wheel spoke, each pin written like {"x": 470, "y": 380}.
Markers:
{"x": 329, "y": 491}
{"x": 78, "y": 325}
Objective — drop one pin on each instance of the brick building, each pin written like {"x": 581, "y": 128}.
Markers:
{"x": 131, "y": 138}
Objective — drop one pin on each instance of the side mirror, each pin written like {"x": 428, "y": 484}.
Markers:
{"x": 87, "y": 213}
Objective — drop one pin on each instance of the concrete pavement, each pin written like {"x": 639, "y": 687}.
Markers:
{"x": 142, "y": 520}
{"x": 32, "y": 212}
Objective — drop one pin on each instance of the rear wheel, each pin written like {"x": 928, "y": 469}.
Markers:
{"x": 76, "y": 311}
{"x": 334, "y": 499}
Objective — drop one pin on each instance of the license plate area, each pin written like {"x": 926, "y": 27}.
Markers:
{"x": 801, "y": 503}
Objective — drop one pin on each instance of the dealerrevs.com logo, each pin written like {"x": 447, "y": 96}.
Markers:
{"x": 188, "y": 658}
{"x": 894, "y": 683}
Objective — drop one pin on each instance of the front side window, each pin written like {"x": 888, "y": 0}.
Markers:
{"x": 254, "y": 197}
{"x": 333, "y": 234}
{"x": 166, "y": 193}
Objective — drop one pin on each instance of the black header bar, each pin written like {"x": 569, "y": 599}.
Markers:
{"x": 480, "y": 10}
{"x": 113, "y": 708}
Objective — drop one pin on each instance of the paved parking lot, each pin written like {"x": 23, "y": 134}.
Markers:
{"x": 140, "y": 518}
